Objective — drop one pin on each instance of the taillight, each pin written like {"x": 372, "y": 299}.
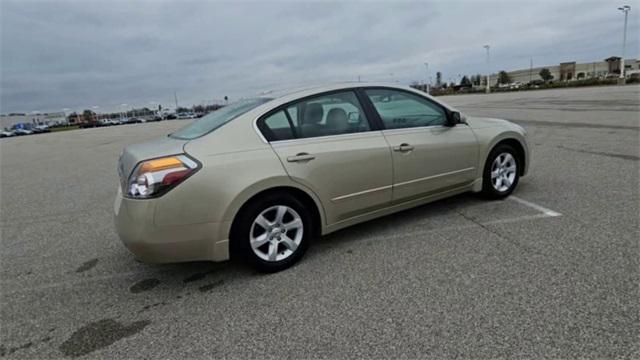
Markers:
{"x": 152, "y": 178}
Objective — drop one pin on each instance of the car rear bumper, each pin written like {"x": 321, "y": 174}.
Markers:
{"x": 134, "y": 220}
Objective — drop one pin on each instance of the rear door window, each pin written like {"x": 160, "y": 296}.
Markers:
{"x": 325, "y": 115}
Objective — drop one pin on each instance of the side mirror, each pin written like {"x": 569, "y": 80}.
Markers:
{"x": 454, "y": 118}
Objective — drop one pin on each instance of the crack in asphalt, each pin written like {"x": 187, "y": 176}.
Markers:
{"x": 602, "y": 153}
{"x": 87, "y": 265}
{"x": 574, "y": 124}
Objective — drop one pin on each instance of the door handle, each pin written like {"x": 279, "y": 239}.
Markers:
{"x": 403, "y": 147}
{"x": 300, "y": 157}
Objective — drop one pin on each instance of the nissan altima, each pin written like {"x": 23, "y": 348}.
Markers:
{"x": 260, "y": 179}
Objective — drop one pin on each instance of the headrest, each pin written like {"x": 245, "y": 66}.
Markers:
{"x": 337, "y": 119}
{"x": 313, "y": 113}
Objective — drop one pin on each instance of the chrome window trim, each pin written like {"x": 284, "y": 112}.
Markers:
{"x": 325, "y": 137}
{"x": 409, "y": 129}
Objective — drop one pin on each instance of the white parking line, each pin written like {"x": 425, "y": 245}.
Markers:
{"x": 516, "y": 219}
{"x": 540, "y": 208}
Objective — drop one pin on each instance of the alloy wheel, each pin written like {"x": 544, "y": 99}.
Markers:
{"x": 503, "y": 172}
{"x": 276, "y": 233}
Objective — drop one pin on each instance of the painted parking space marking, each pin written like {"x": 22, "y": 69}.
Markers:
{"x": 542, "y": 209}
{"x": 516, "y": 219}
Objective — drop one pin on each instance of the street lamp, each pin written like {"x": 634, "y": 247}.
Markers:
{"x": 155, "y": 108}
{"x": 123, "y": 113}
{"x": 96, "y": 117}
{"x": 488, "y": 70}
{"x": 427, "y": 78}
{"x": 625, "y": 9}
{"x": 64, "y": 116}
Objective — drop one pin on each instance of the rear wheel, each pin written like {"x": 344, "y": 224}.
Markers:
{"x": 272, "y": 232}
{"x": 501, "y": 172}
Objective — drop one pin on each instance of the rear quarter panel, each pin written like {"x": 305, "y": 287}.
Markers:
{"x": 236, "y": 165}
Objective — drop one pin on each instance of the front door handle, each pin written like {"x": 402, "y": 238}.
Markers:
{"x": 301, "y": 157}
{"x": 403, "y": 147}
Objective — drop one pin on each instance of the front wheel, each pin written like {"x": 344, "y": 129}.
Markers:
{"x": 272, "y": 233}
{"x": 501, "y": 172}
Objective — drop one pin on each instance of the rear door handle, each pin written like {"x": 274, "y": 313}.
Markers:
{"x": 300, "y": 157}
{"x": 403, "y": 147}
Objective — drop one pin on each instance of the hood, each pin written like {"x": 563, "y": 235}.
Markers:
{"x": 133, "y": 154}
{"x": 478, "y": 122}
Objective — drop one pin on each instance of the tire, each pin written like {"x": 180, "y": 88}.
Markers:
{"x": 499, "y": 181}
{"x": 272, "y": 233}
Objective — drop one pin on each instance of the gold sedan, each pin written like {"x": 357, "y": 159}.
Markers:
{"x": 260, "y": 179}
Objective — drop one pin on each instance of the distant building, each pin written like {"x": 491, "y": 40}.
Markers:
{"x": 568, "y": 71}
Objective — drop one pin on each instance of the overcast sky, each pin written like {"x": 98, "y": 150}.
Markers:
{"x": 78, "y": 54}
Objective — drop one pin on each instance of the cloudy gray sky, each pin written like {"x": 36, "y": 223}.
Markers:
{"x": 78, "y": 54}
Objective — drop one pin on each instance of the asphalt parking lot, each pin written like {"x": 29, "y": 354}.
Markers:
{"x": 552, "y": 272}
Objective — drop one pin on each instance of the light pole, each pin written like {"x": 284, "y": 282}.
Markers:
{"x": 625, "y": 9}
{"x": 64, "y": 114}
{"x": 95, "y": 111}
{"x": 123, "y": 112}
{"x": 488, "y": 70}
{"x": 427, "y": 78}
{"x": 34, "y": 117}
{"x": 154, "y": 107}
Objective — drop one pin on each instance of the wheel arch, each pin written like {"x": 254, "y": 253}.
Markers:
{"x": 520, "y": 152}
{"x": 489, "y": 138}
{"x": 302, "y": 194}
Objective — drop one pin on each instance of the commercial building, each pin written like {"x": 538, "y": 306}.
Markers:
{"x": 572, "y": 70}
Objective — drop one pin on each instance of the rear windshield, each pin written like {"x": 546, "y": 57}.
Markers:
{"x": 217, "y": 118}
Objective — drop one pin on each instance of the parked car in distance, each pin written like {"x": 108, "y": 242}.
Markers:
{"x": 259, "y": 179}
{"x": 171, "y": 117}
{"x": 187, "y": 115}
{"x": 22, "y": 131}
{"x": 104, "y": 122}
{"x": 135, "y": 120}
{"x": 536, "y": 83}
{"x": 38, "y": 129}
{"x": 42, "y": 128}
{"x": 7, "y": 133}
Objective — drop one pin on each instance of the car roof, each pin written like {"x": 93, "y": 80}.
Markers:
{"x": 303, "y": 91}
{"x": 278, "y": 98}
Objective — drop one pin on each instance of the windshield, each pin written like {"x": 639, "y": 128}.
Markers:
{"x": 217, "y": 118}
